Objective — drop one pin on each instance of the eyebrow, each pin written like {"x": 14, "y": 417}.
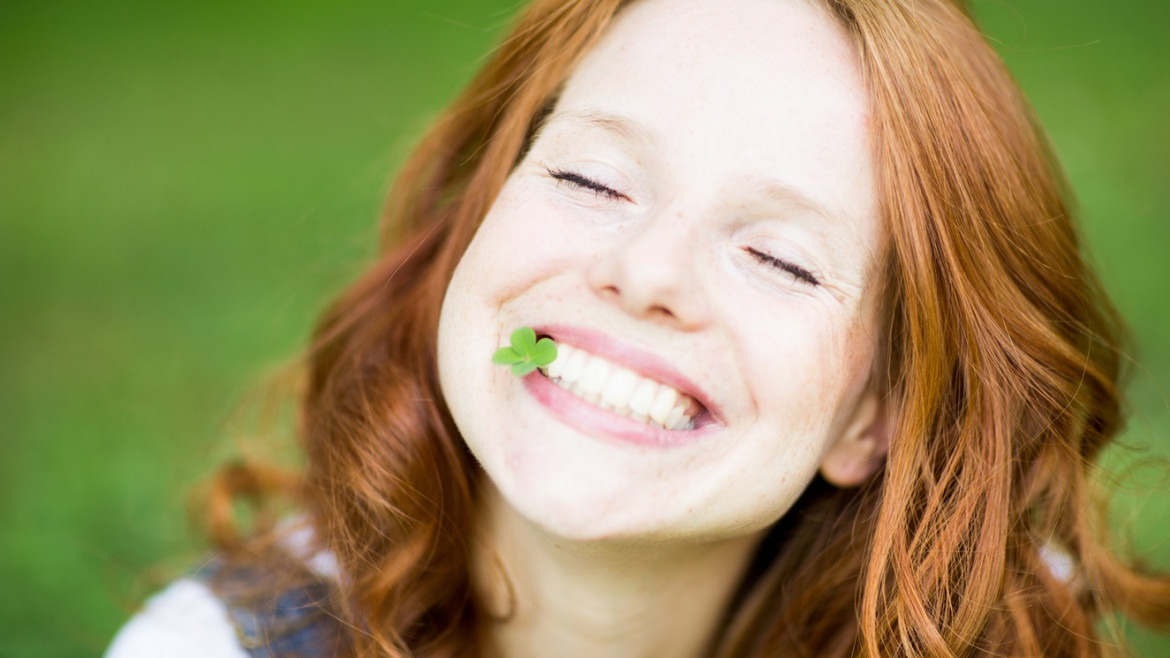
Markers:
{"x": 788, "y": 195}
{"x": 640, "y": 134}
{"x": 621, "y": 126}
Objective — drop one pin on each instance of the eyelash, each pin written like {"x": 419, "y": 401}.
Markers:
{"x": 579, "y": 182}
{"x": 796, "y": 271}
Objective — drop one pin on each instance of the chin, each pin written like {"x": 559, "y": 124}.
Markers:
{"x": 578, "y": 514}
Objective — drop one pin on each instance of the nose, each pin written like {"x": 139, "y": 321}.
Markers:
{"x": 651, "y": 271}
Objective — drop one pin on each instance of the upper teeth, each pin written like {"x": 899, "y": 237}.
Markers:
{"x": 622, "y": 391}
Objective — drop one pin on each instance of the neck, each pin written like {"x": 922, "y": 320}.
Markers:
{"x": 603, "y": 598}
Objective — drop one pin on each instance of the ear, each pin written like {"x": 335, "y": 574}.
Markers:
{"x": 860, "y": 450}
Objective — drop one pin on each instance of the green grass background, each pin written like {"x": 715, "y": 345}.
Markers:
{"x": 182, "y": 186}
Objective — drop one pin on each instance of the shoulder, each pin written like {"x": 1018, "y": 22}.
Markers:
{"x": 231, "y": 610}
{"x": 185, "y": 620}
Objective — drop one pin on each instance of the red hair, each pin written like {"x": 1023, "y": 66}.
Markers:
{"x": 1003, "y": 361}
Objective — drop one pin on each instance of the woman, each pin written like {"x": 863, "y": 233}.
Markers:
{"x": 831, "y": 237}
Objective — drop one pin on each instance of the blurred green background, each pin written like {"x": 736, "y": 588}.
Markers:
{"x": 182, "y": 186}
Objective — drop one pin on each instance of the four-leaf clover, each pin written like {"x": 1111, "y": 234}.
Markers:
{"x": 526, "y": 353}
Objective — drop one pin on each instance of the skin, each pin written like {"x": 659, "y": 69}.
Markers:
{"x": 713, "y": 138}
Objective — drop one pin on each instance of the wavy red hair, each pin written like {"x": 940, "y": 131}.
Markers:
{"x": 1003, "y": 359}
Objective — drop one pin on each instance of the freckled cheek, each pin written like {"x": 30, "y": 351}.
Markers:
{"x": 805, "y": 375}
{"x": 526, "y": 241}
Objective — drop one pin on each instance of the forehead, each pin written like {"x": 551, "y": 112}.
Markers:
{"x": 739, "y": 88}
{"x": 782, "y": 44}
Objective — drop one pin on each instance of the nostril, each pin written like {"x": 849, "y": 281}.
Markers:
{"x": 663, "y": 311}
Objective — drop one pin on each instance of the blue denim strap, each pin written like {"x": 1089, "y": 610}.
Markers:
{"x": 292, "y": 622}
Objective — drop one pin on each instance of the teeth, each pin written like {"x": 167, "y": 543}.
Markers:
{"x": 574, "y": 366}
{"x": 642, "y": 399}
{"x": 663, "y": 403}
{"x": 621, "y": 391}
{"x": 597, "y": 372}
{"x": 616, "y": 393}
{"x": 555, "y": 368}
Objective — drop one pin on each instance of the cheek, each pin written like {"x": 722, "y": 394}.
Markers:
{"x": 500, "y": 249}
{"x": 522, "y": 241}
{"x": 469, "y": 317}
{"x": 519, "y": 253}
{"x": 807, "y": 365}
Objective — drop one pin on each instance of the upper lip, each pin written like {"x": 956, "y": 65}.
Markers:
{"x": 629, "y": 356}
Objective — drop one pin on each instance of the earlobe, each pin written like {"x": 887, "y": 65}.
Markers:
{"x": 862, "y": 448}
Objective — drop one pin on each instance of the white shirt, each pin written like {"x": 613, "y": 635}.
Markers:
{"x": 186, "y": 620}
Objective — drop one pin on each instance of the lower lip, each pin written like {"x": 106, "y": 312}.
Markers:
{"x": 596, "y": 421}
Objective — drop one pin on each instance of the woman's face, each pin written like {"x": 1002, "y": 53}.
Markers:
{"x": 696, "y": 220}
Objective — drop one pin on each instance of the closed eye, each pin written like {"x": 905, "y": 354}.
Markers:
{"x": 798, "y": 272}
{"x": 578, "y": 182}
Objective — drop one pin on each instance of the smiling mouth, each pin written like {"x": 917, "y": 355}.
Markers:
{"x": 622, "y": 391}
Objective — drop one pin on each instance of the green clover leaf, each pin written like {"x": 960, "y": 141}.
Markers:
{"x": 526, "y": 354}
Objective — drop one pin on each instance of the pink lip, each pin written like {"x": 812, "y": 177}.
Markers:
{"x": 629, "y": 356}
{"x": 594, "y": 420}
